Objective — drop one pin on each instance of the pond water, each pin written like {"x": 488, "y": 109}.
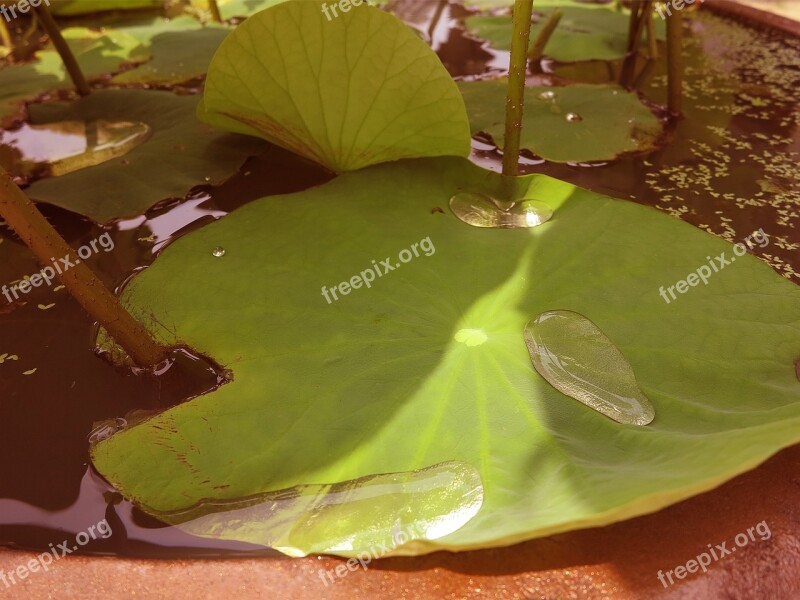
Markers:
{"x": 730, "y": 167}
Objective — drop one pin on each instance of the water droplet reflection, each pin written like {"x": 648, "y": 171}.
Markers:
{"x": 480, "y": 210}
{"x": 577, "y": 358}
{"x": 68, "y": 146}
{"x": 573, "y": 117}
{"x": 219, "y": 251}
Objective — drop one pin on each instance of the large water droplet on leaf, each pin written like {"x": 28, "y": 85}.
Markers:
{"x": 69, "y": 146}
{"x": 579, "y": 360}
{"x": 481, "y": 210}
{"x": 374, "y": 514}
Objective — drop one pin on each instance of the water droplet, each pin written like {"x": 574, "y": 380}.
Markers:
{"x": 547, "y": 95}
{"x": 573, "y": 117}
{"x": 577, "y": 358}
{"x": 481, "y": 210}
{"x": 219, "y": 251}
{"x": 207, "y": 179}
{"x": 105, "y": 429}
{"x": 380, "y": 511}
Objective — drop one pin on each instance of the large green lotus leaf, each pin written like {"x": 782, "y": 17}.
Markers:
{"x": 582, "y": 33}
{"x": 429, "y": 364}
{"x": 358, "y": 90}
{"x": 578, "y": 123}
{"x": 181, "y": 50}
{"x": 98, "y": 53}
{"x": 180, "y": 154}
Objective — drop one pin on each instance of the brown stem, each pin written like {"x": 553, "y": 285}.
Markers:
{"x": 636, "y": 26}
{"x": 214, "y": 8}
{"x": 64, "y": 50}
{"x": 651, "y": 35}
{"x": 539, "y": 44}
{"x": 515, "y": 100}
{"x": 675, "y": 62}
{"x": 30, "y": 225}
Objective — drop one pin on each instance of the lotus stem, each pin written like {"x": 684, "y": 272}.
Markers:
{"x": 515, "y": 99}
{"x": 637, "y": 24}
{"x": 64, "y": 50}
{"x": 539, "y": 44}
{"x": 47, "y": 245}
{"x": 651, "y": 34}
{"x": 214, "y": 8}
{"x": 437, "y": 16}
{"x": 675, "y": 62}
{"x": 5, "y": 37}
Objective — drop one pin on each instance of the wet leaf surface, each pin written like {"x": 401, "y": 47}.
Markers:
{"x": 575, "y": 123}
{"x": 582, "y": 34}
{"x": 180, "y": 154}
{"x": 429, "y": 363}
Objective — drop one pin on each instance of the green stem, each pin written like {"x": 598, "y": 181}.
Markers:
{"x": 675, "y": 62}
{"x": 214, "y": 8}
{"x": 5, "y": 37}
{"x": 515, "y": 100}
{"x": 539, "y": 44}
{"x": 64, "y": 50}
{"x": 48, "y": 246}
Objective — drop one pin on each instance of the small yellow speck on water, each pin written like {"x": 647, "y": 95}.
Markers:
{"x": 46, "y": 306}
{"x": 58, "y": 287}
{"x": 31, "y": 372}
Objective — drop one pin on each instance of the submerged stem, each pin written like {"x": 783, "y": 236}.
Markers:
{"x": 73, "y": 68}
{"x": 5, "y": 37}
{"x": 47, "y": 245}
{"x": 675, "y": 62}
{"x": 523, "y": 10}
{"x": 639, "y": 15}
{"x": 538, "y": 46}
{"x": 214, "y": 8}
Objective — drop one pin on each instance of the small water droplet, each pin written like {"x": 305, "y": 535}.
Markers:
{"x": 480, "y": 210}
{"x": 579, "y": 360}
{"x": 573, "y": 117}
{"x": 381, "y": 511}
{"x": 219, "y": 251}
{"x": 207, "y": 179}
{"x": 105, "y": 429}
{"x": 547, "y": 95}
